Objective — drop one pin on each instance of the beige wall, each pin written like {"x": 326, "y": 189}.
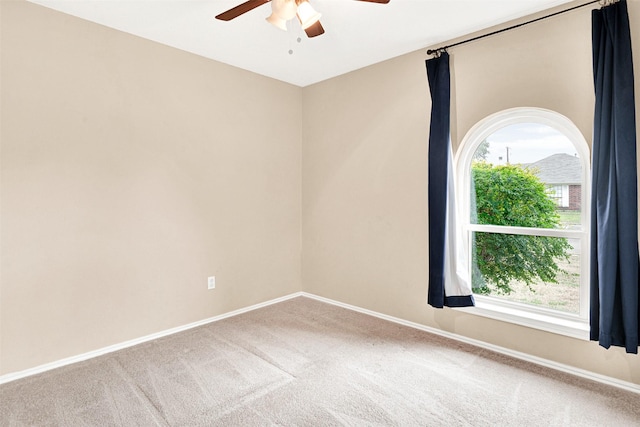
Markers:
{"x": 131, "y": 171}
{"x": 365, "y": 237}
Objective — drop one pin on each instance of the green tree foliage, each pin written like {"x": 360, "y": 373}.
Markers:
{"x": 512, "y": 196}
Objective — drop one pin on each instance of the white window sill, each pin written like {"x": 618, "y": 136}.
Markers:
{"x": 529, "y": 316}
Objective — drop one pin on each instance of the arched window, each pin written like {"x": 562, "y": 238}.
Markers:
{"x": 522, "y": 178}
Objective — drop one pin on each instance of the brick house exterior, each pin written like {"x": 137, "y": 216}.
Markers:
{"x": 562, "y": 173}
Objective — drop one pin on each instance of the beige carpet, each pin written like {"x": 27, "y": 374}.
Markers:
{"x": 306, "y": 363}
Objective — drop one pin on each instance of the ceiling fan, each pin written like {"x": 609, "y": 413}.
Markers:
{"x": 284, "y": 10}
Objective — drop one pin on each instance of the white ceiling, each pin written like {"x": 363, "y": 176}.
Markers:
{"x": 357, "y": 34}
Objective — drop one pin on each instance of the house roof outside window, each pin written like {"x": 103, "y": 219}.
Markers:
{"x": 558, "y": 169}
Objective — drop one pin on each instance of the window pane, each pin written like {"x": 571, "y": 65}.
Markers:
{"x": 526, "y": 175}
{"x": 536, "y": 270}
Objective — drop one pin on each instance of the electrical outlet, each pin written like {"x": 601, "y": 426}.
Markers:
{"x": 211, "y": 282}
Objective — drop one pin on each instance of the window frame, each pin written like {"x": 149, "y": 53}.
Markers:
{"x": 559, "y": 195}
{"x": 569, "y": 324}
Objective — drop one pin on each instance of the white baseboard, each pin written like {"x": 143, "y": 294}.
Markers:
{"x": 502, "y": 350}
{"x": 110, "y": 349}
{"x": 516, "y": 354}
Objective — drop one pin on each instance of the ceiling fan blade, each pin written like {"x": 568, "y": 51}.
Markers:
{"x": 240, "y": 9}
{"x": 376, "y": 1}
{"x": 314, "y": 30}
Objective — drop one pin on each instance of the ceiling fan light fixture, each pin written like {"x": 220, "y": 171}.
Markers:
{"x": 276, "y": 21}
{"x": 285, "y": 9}
{"x": 281, "y": 12}
{"x": 307, "y": 15}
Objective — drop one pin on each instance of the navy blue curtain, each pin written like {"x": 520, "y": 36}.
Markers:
{"x": 614, "y": 217}
{"x": 439, "y": 84}
{"x": 439, "y": 191}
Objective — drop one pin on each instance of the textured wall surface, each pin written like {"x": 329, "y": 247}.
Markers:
{"x": 131, "y": 171}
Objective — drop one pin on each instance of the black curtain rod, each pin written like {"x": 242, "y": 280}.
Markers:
{"x": 443, "y": 48}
